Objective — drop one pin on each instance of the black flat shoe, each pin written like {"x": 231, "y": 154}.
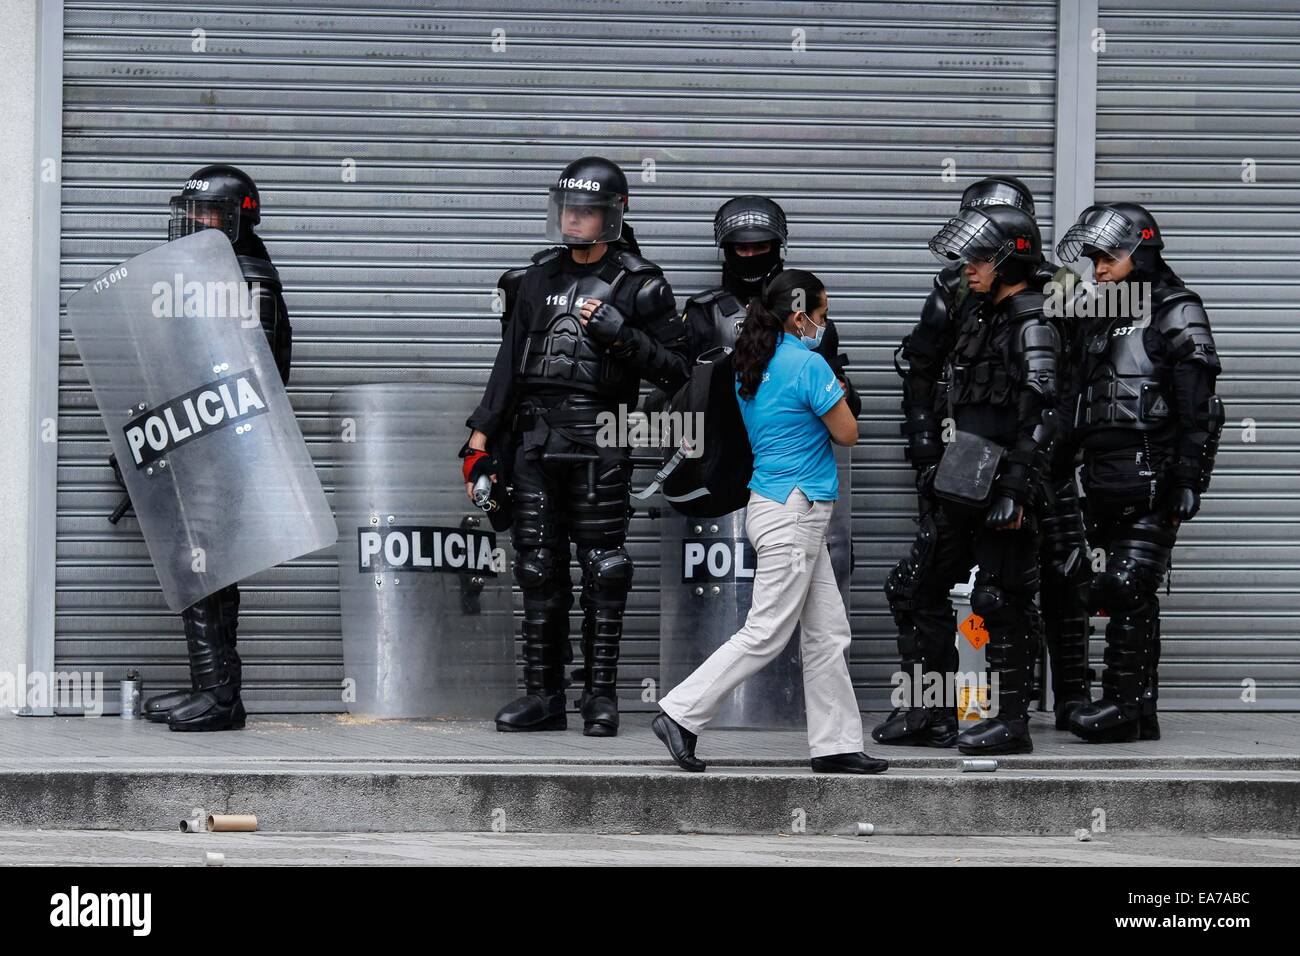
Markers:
{"x": 849, "y": 763}
{"x": 679, "y": 741}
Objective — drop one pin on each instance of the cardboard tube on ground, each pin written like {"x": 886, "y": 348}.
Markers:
{"x": 232, "y": 822}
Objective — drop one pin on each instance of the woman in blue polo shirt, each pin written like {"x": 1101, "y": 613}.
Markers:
{"x": 793, "y": 407}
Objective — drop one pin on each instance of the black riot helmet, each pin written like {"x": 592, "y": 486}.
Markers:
{"x": 215, "y": 197}
{"x": 750, "y": 219}
{"x": 1116, "y": 230}
{"x": 1006, "y": 236}
{"x": 591, "y": 193}
{"x": 998, "y": 191}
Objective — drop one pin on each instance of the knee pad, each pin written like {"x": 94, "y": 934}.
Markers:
{"x": 535, "y": 568}
{"x": 1121, "y": 587}
{"x": 607, "y": 569}
{"x": 900, "y": 587}
{"x": 999, "y": 606}
{"x": 987, "y": 600}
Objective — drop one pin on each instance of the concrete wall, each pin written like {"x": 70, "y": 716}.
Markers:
{"x": 18, "y": 42}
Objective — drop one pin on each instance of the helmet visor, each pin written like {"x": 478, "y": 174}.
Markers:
{"x": 971, "y": 236}
{"x": 190, "y": 215}
{"x": 1099, "y": 230}
{"x": 578, "y": 218}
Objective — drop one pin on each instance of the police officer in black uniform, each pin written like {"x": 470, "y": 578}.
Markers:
{"x": 1149, "y": 422}
{"x": 226, "y": 198}
{"x": 590, "y": 319}
{"x": 751, "y": 231}
{"x": 921, "y": 361}
{"x": 1002, "y": 396}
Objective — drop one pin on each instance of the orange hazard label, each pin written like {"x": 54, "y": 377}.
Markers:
{"x": 973, "y": 630}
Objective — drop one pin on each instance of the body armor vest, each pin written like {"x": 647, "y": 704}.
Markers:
{"x": 981, "y": 369}
{"x": 725, "y": 312}
{"x": 558, "y": 351}
{"x": 1122, "y": 385}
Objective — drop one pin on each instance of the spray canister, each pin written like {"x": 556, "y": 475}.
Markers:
{"x": 131, "y": 689}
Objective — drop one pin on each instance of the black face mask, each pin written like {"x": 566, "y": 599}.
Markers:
{"x": 750, "y": 271}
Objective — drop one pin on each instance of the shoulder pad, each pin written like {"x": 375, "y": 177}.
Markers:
{"x": 1163, "y": 296}
{"x": 706, "y": 298}
{"x": 630, "y": 261}
{"x": 547, "y": 255}
{"x": 1185, "y": 325}
{"x": 509, "y": 286}
{"x": 257, "y": 269}
{"x": 1026, "y": 304}
{"x": 510, "y": 280}
{"x": 949, "y": 279}
{"x": 655, "y": 298}
{"x": 936, "y": 312}
{"x": 1180, "y": 316}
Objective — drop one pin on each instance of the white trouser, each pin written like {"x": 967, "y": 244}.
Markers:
{"x": 793, "y": 584}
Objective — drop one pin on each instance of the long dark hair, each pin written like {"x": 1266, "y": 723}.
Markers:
{"x": 756, "y": 343}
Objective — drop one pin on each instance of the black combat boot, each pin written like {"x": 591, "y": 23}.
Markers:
{"x": 1067, "y": 649}
{"x": 157, "y": 708}
{"x": 599, "y": 703}
{"x": 916, "y": 725}
{"x": 215, "y": 668}
{"x": 542, "y": 706}
{"x": 1116, "y": 717}
{"x": 1011, "y": 657}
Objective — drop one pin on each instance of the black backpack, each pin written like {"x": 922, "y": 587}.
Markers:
{"x": 714, "y": 482}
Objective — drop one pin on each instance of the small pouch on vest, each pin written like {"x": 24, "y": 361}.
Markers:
{"x": 967, "y": 470}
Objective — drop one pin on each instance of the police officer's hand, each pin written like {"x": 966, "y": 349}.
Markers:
{"x": 117, "y": 471}
{"x": 1004, "y": 514}
{"x": 1183, "y": 505}
{"x": 477, "y": 462}
{"x": 603, "y": 322}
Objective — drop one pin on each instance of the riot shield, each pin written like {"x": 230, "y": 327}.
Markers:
{"x": 216, "y": 467}
{"x": 424, "y": 583}
{"x": 706, "y": 582}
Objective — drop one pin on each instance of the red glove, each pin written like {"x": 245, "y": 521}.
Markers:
{"x": 478, "y": 463}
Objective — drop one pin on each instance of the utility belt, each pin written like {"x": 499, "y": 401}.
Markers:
{"x": 532, "y": 412}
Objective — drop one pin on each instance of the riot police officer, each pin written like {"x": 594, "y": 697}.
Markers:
{"x": 920, "y": 361}
{"x": 225, "y": 198}
{"x": 751, "y": 232}
{"x": 1148, "y": 421}
{"x": 1002, "y": 398}
{"x": 590, "y": 319}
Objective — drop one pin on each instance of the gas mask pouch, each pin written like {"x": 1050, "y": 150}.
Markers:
{"x": 967, "y": 470}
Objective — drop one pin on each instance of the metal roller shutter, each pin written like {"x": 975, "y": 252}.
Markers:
{"x": 388, "y": 278}
{"x": 1186, "y": 95}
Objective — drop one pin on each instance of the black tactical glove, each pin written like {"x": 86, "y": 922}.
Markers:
{"x": 606, "y": 324}
{"x": 1001, "y": 513}
{"x": 1184, "y": 503}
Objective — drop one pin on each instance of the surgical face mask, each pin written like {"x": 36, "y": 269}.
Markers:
{"x": 812, "y": 341}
